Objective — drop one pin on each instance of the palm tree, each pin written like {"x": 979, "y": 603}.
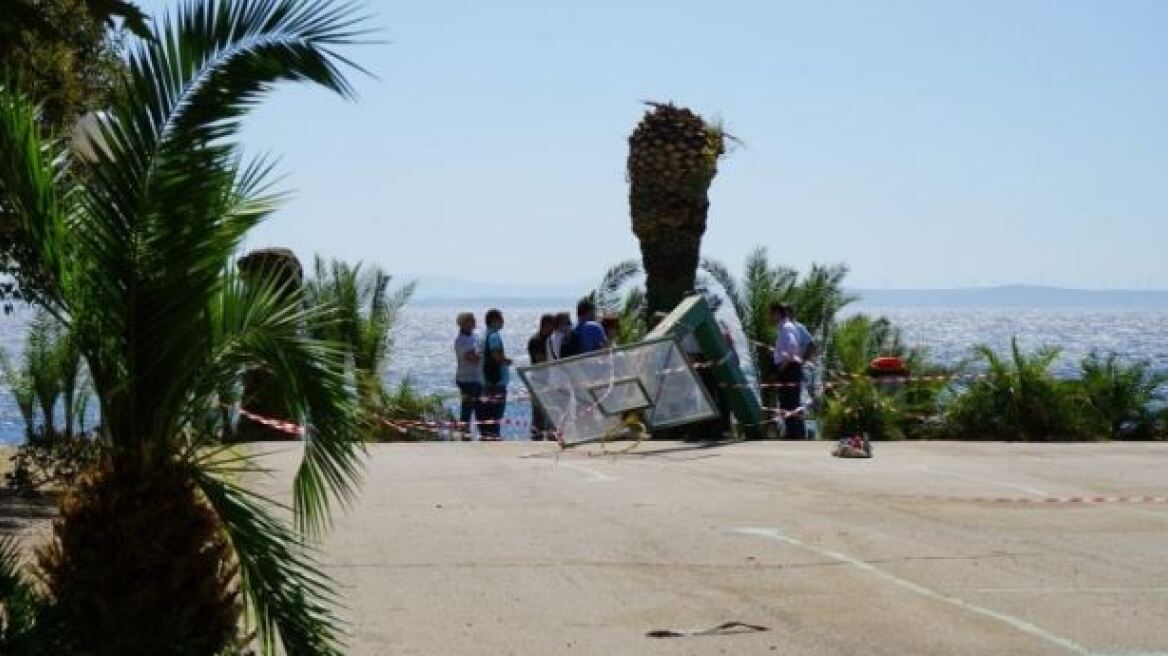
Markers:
{"x": 51, "y": 371}
{"x": 1119, "y": 397}
{"x": 365, "y": 312}
{"x": 856, "y": 403}
{"x": 673, "y": 158}
{"x": 617, "y": 296}
{"x": 817, "y": 298}
{"x": 761, "y": 285}
{"x": 614, "y": 288}
{"x": 162, "y": 548}
{"x": 1016, "y": 398}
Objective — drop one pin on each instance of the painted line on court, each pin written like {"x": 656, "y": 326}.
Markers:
{"x": 593, "y": 475}
{"x": 928, "y": 593}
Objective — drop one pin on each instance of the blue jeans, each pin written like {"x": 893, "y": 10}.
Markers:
{"x": 471, "y": 406}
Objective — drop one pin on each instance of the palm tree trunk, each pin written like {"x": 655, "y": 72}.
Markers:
{"x": 261, "y": 393}
{"x": 671, "y": 262}
{"x": 142, "y": 535}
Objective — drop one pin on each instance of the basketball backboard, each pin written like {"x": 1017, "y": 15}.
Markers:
{"x": 588, "y": 397}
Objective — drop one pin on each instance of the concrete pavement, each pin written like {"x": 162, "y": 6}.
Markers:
{"x": 516, "y": 548}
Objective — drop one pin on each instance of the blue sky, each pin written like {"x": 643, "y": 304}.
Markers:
{"x": 927, "y": 144}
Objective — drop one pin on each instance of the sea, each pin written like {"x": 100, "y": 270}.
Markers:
{"x": 424, "y": 335}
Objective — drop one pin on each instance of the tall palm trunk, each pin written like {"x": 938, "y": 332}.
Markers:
{"x": 260, "y": 390}
{"x": 673, "y": 158}
{"x": 671, "y": 262}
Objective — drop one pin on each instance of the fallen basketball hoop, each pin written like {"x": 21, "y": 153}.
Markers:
{"x": 606, "y": 395}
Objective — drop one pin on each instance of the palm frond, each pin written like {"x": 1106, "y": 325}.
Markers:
{"x": 261, "y": 324}
{"x": 607, "y": 294}
{"x": 166, "y": 197}
{"x": 31, "y": 171}
{"x": 721, "y": 276}
{"x": 19, "y": 603}
{"x": 288, "y": 597}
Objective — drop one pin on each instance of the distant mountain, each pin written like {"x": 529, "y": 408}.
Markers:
{"x": 1014, "y": 296}
{"x": 438, "y": 290}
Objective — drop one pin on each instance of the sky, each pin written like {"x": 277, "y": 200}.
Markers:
{"x": 925, "y": 144}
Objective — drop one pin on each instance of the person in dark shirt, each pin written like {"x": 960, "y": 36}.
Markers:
{"x": 589, "y": 332}
{"x": 537, "y": 350}
{"x": 496, "y": 376}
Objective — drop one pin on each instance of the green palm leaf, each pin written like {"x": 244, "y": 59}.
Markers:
{"x": 288, "y": 597}
{"x": 134, "y": 240}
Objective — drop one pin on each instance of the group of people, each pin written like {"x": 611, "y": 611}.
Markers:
{"x": 484, "y": 368}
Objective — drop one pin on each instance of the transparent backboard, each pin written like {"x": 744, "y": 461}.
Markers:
{"x": 587, "y": 397}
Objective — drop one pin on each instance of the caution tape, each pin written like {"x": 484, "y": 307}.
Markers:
{"x": 281, "y": 425}
{"x": 1039, "y": 501}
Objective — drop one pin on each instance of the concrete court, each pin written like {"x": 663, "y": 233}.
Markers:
{"x": 516, "y": 548}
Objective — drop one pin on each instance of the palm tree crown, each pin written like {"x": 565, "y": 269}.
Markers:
{"x": 136, "y": 241}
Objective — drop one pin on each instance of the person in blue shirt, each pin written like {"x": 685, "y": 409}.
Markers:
{"x": 589, "y": 333}
{"x": 496, "y": 376}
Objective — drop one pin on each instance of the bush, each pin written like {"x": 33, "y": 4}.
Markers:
{"x": 51, "y": 461}
{"x": 1016, "y": 399}
{"x": 860, "y": 407}
{"x": 401, "y": 408}
{"x": 856, "y": 404}
{"x": 1119, "y": 399}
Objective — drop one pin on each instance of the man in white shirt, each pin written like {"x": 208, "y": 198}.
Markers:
{"x": 788, "y": 360}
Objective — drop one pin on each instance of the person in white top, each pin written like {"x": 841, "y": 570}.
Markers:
{"x": 788, "y": 361}
{"x": 556, "y": 341}
{"x": 468, "y": 353}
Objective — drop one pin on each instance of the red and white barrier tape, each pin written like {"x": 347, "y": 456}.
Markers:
{"x": 1038, "y": 501}
{"x": 281, "y": 425}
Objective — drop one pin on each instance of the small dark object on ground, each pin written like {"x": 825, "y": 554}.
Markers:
{"x": 725, "y": 628}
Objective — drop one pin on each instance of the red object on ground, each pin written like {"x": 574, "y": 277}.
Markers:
{"x": 887, "y": 366}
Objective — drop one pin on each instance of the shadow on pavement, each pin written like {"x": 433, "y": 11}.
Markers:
{"x": 18, "y": 512}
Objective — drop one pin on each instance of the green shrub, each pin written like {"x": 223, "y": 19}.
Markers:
{"x": 393, "y": 419}
{"x": 855, "y": 403}
{"x": 1016, "y": 399}
{"x": 51, "y": 460}
{"x": 862, "y": 407}
{"x": 1119, "y": 399}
